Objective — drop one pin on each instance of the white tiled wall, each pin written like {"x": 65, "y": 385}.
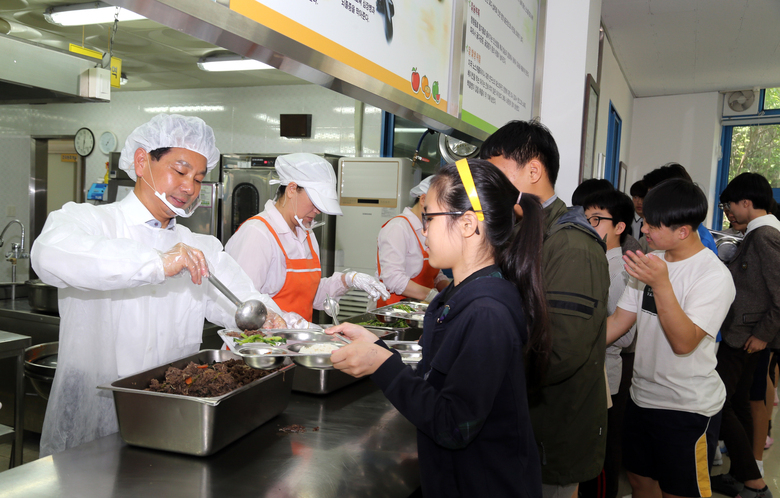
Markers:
{"x": 245, "y": 120}
{"x": 15, "y": 167}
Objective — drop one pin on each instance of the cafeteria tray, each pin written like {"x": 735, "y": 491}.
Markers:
{"x": 411, "y": 332}
{"x": 192, "y": 425}
{"x": 394, "y": 311}
{"x": 295, "y": 339}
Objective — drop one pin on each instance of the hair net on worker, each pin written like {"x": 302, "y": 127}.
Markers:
{"x": 170, "y": 130}
{"x": 421, "y": 188}
{"x": 314, "y": 174}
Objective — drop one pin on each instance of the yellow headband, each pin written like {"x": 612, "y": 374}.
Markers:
{"x": 471, "y": 190}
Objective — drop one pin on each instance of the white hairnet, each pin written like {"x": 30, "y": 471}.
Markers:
{"x": 170, "y": 130}
{"x": 421, "y": 188}
{"x": 314, "y": 174}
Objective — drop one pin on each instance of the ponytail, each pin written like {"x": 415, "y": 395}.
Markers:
{"x": 521, "y": 263}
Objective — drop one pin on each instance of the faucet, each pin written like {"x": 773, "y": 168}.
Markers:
{"x": 17, "y": 252}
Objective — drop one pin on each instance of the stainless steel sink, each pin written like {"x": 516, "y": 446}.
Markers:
{"x": 6, "y": 287}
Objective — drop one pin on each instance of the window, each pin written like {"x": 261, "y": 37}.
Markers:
{"x": 752, "y": 147}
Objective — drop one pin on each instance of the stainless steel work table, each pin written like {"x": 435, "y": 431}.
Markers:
{"x": 12, "y": 346}
{"x": 363, "y": 448}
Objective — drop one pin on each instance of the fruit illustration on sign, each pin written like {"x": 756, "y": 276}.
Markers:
{"x": 436, "y": 95}
{"x": 425, "y": 88}
{"x": 415, "y": 80}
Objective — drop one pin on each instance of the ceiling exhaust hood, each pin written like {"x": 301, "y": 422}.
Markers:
{"x": 31, "y": 73}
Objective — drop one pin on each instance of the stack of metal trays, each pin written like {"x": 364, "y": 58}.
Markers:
{"x": 191, "y": 425}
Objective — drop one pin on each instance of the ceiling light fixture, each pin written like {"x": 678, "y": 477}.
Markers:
{"x": 87, "y": 13}
{"x": 230, "y": 62}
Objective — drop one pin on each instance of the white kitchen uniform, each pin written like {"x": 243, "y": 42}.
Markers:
{"x": 399, "y": 253}
{"x": 665, "y": 380}
{"x": 119, "y": 314}
{"x": 255, "y": 249}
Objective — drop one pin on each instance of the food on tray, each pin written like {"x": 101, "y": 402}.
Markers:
{"x": 295, "y": 428}
{"x": 320, "y": 348}
{"x": 404, "y": 307}
{"x": 396, "y": 324}
{"x": 255, "y": 337}
{"x": 207, "y": 381}
{"x": 235, "y": 333}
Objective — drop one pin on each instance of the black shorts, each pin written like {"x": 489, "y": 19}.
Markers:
{"x": 672, "y": 447}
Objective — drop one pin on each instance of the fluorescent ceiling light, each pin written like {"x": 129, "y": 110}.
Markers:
{"x": 87, "y": 13}
{"x": 230, "y": 62}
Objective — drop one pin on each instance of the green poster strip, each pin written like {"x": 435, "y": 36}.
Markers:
{"x": 480, "y": 123}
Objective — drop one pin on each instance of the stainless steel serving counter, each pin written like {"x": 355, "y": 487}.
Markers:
{"x": 363, "y": 448}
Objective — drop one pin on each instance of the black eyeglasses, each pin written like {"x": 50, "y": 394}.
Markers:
{"x": 725, "y": 206}
{"x": 427, "y": 217}
{"x": 595, "y": 220}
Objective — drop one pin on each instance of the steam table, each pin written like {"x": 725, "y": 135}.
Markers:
{"x": 363, "y": 448}
{"x": 14, "y": 345}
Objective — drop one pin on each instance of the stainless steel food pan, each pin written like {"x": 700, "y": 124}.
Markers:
{"x": 319, "y": 381}
{"x": 196, "y": 426}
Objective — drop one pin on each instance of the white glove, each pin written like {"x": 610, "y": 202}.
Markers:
{"x": 372, "y": 286}
{"x": 431, "y": 295}
{"x": 294, "y": 320}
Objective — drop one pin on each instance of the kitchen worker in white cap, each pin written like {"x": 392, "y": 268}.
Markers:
{"x": 402, "y": 261}
{"x": 278, "y": 249}
{"x": 120, "y": 309}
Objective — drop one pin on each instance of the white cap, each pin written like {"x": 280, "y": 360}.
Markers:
{"x": 170, "y": 130}
{"x": 314, "y": 174}
{"x": 421, "y": 188}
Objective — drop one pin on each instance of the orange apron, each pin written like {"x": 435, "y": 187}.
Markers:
{"x": 302, "y": 281}
{"x": 426, "y": 276}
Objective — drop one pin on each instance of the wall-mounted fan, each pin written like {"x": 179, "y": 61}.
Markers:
{"x": 741, "y": 100}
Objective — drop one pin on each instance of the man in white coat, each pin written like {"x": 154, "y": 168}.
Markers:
{"x": 121, "y": 309}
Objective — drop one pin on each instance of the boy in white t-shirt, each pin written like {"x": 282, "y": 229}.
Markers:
{"x": 678, "y": 297}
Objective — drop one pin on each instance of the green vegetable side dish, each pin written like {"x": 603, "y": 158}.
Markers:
{"x": 273, "y": 340}
{"x": 397, "y": 324}
{"x": 404, "y": 307}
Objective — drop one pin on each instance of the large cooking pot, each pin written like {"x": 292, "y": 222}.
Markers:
{"x": 42, "y": 297}
{"x": 40, "y": 364}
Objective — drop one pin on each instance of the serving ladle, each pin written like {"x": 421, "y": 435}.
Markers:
{"x": 250, "y": 315}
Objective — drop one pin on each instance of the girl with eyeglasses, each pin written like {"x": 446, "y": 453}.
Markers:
{"x": 468, "y": 395}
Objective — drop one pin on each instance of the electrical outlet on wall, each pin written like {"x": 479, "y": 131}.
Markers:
{"x": 10, "y": 210}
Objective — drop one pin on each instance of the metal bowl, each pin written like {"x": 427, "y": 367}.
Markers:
{"x": 40, "y": 364}
{"x": 318, "y": 361}
{"x": 410, "y": 353}
{"x": 257, "y": 356}
{"x": 42, "y": 297}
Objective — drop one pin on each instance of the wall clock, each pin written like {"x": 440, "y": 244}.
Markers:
{"x": 84, "y": 141}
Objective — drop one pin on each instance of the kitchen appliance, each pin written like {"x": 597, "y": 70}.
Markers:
{"x": 191, "y": 425}
{"x": 371, "y": 192}
{"x": 245, "y": 189}
{"x": 119, "y": 182}
{"x": 205, "y": 219}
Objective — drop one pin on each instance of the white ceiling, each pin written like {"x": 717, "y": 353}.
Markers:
{"x": 665, "y": 47}
{"x": 669, "y": 47}
{"x": 154, "y": 57}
